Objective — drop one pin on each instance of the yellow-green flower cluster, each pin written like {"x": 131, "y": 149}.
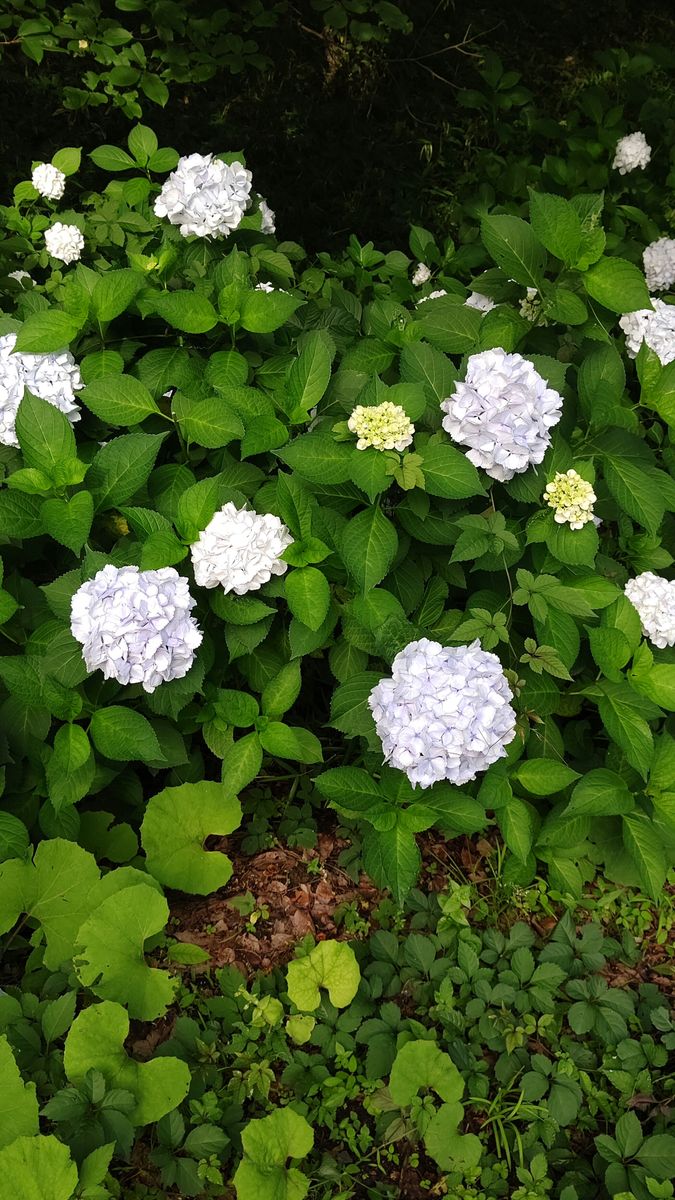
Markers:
{"x": 384, "y": 427}
{"x": 572, "y": 498}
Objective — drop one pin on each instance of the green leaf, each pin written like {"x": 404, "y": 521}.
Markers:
{"x": 67, "y": 160}
{"x": 263, "y": 312}
{"x": 309, "y": 375}
{"x": 109, "y": 957}
{"x": 241, "y": 763}
{"x": 282, "y": 691}
{"x": 122, "y": 467}
{"x": 448, "y": 324}
{"x": 601, "y": 793}
{"x": 20, "y": 515}
{"x": 124, "y": 734}
{"x": 113, "y": 293}
{"x": 14, "y": 839}
{"x": 286, "y": 741}
{"x": 188, "y": 311}
{"x": 308, "y": 595}
{"x": 423, "y": 364}
{"x": 544, "y": 776}
{"x": 142, "y": 143}
{"x": 657, "y": 1156}
{"x": 624, "y": 715}
{"x": 422, "y": 1065}
{"x": 349, "y": 709}
{"x": 71, "y": 749}
{"x": 330, "y": 965}
{"x": 516, "y": 824}
{"x": 96, "y": 1042}
{"x": 635, "y": 492}
{"x": 618, "y": 285}
{"x": 268, "y": 1143}
{"x": 55, "y": 890}
{"x": 645, "y": 846}
{"x": 18, "y": 1102}
{"x": 38, "y": 1168}
{"x": 211, "y": 423}
{"x": 512, "y": 245}
{"x": 369, "y": 545}
{"x": 176, "y": 824}
{"x": 319, "y": 458}
{"x": 556, "y": 225}
{"x": 45, "y": 434}
{"x": 111, "y": 158}
{"x": 69, "y": 521}
{"x": 119, "y": 400}
{"x": 392, "y": 859}
{"x": 45, "y": 332}
{"x": 448, "y": 472}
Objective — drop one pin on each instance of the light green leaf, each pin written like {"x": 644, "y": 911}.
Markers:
{"x": 422, "y": 1065}
{"x": 309, "y": 375}
{"x": 286, "y": 741}
{"x": 37, "y": 1168}
{"x": 176, "y": 824}
{"x": 556, "y": 225}
{"x": 96, "y": 1042}
{"x": 268, "y": 1143}
{"x": 109, "y": 959}
{"x": 119, "y": 400}
{"x": 55, "y": 890}
{"x": 308, "y": 595}
{"x": 114, "y": 291}
{"x": 512, "y": 245}
{"x": 448, "y": 472}
{"x": 544, "y": 776}
{"x": 645, "y": 846}
{"x": 45, "y": 434}
{"x": 617, "y": 284}
{"x": 211, "y": 423}
{"x": 516, "y": 824}
{"x": 122, "y": 467}
{"x": 331, "y": 965}
{"x": 18, "y": 1102}
{"x": 601, "y": 793}
{"x": 263, "y": 312}
{"x": 69, "y": 521}
{"x": 392, "y": 859}
{"x": 187, "y": 311}
{"x": 46, "y": 332}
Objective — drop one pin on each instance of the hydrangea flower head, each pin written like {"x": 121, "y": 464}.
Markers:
{"x": 11, "y": 390}
{"x": 478, "y": 300}
{"x": 420, "y": 275}
{"x": 205, "y": 196}
{"x": 631, "y": 152}
{"x": 64, "y": 242}
{"x": 52, "y": 377}
{"x": 572, "y": 498}
{"x": 265, "y": 287}
{"x": 503, "y": 412}
{"x": 136, "y": 626}
{"x": 240, "y": 550}
{"x": 268, "y": 217}
{"x": 432, "y": 296}
{"x": 654, "y": 599}
{"x": 19, "y": 276}
{"x": 48, "y": 181}
{"x": 445, "y": 713}
{"x": 659, "y": 264}
{"x": 383, "y": 426}
{"x": 531, "y": 306}
{"x": 655, "y": 326}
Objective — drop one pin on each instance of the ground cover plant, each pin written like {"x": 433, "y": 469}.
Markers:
{"x": 369, "y": 545}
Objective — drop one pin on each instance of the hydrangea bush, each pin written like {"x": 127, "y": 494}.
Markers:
{"x": 308, "y": 525}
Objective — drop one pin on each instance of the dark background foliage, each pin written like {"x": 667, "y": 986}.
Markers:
{"x": 345, "y": 135}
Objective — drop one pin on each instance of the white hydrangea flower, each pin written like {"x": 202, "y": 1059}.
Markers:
{"x": 654, "y": 599}
{"x": 383, "y": 426}
{"x": 432, "y": 296}
{"x": 265, "y": 287}
{"x": 205, "y": 196}
{"x": 572, "y": 498}
{"x": 659, "y": 264}
{"x": 478, "y": 300}
{"x": 49, "y": 181}
{"x": 421, "y": 275}
{"x": 503, "y": 412}
{"x": 631, "y": 152}
{"x": 655, "y": 326}
{"x": 136, "y": 626}
{"x": 445, "y": 713}
{"x": 19, "y": 276}
{"x": 52, "y": 377}
{"x": 530, "y": 307}
{"x": 240, "y": 550}
{"x": 64, "y": 242}
{"x": 268, "y": 217}
{"x": 11, "y": 390}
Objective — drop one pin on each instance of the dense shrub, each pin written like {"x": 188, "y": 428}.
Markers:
{"x": 242, "y": 490}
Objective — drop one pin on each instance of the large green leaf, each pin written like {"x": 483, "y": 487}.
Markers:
{"x": 55, "y": 889}
{"x": 512, "y": 245}
{"x": 176, "y": 824}
{"x": 124, "y": 734}
{"x": 369, "y": 545}
{"x": 95, "y": 1042}
{"x": 309, "y": 374}
{"x": 645, "y": 846}
{"x": 37, "y": 1168}
{"x": 122, "y": 467}
{"x": 114, "y": 291}
{"x": 617, "y": 284}
{"x": 330, "y": 965}
{"x": 625, "y": 714}
{"x": 45, "y": 434}
{"x": 119, "y": 400}
{"x": 187, "y": 311}
{"x": 110, "y": 961}
{"x": 421, "y": 1065}
{"x": 556, "y": 225}
{"x": 448, "y": 472}
{"x": 18, "y": 1102}
{"x": 268, "y": 1143}
{"x": 392, "y": 859}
